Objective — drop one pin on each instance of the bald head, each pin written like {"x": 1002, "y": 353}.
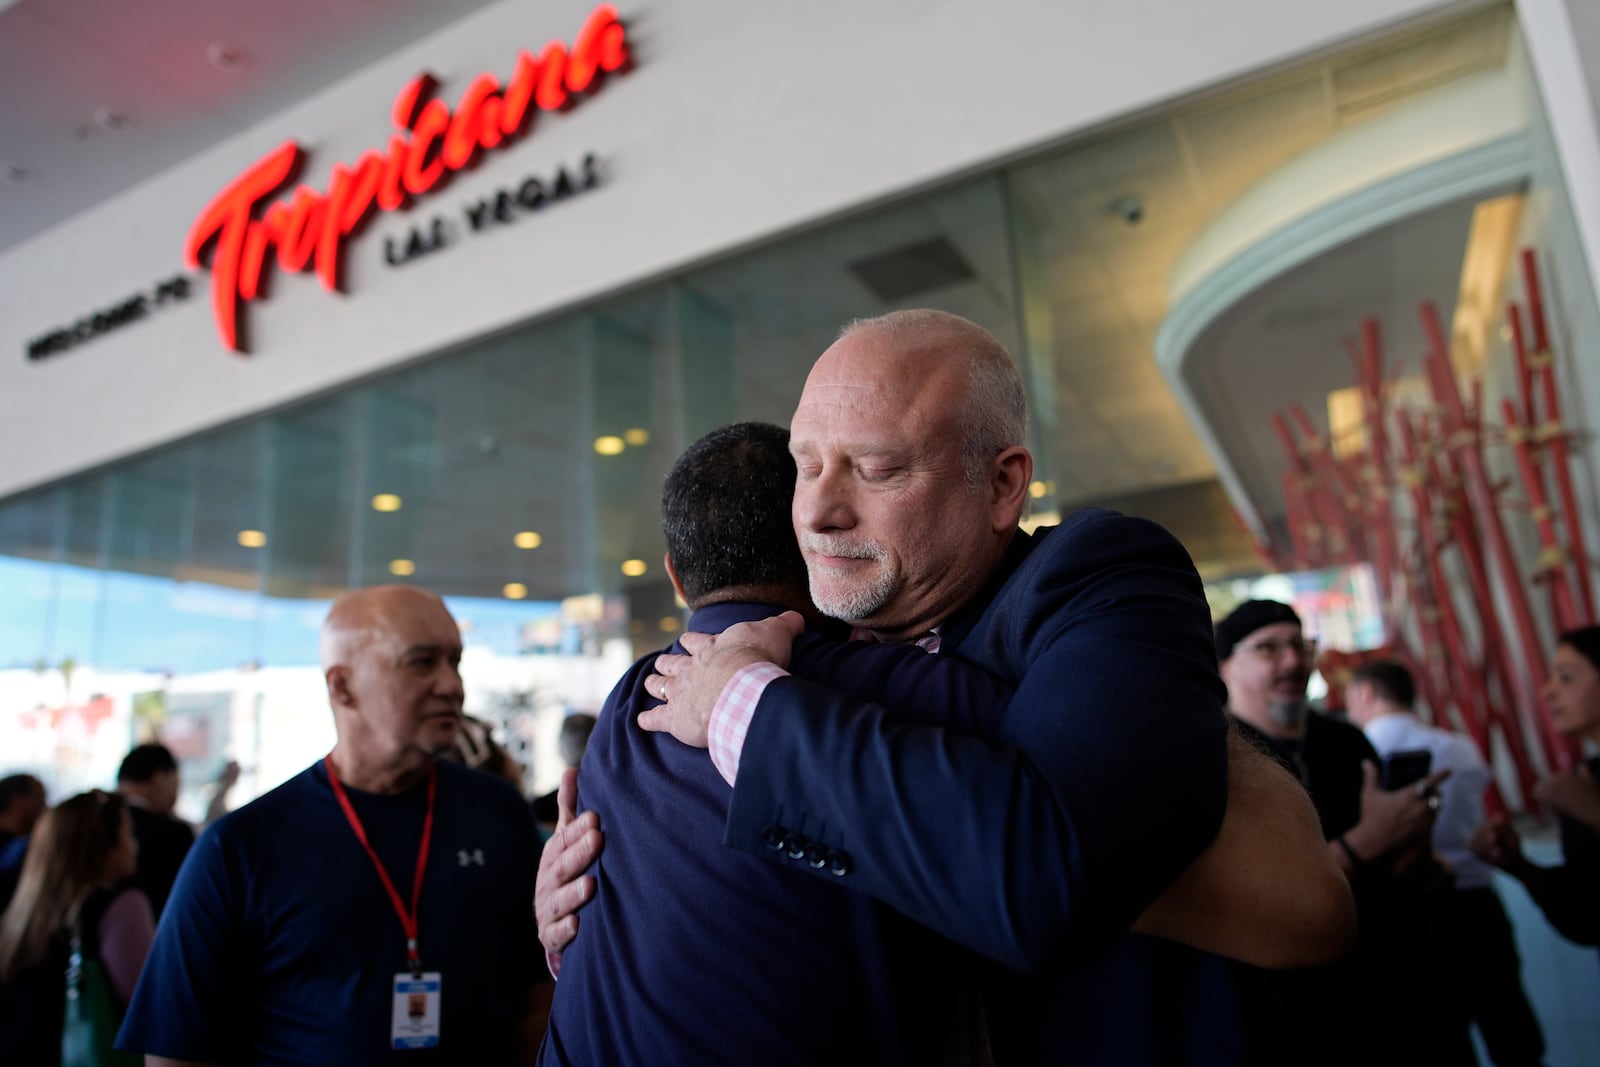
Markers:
{"x": 897, "y": 418}
{"x": 937, "y": 349}
{"x": 391, "y": 656}
{"x": 363, "y": 615}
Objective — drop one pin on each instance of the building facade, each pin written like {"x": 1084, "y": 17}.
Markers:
{"x": 448, "y": 319}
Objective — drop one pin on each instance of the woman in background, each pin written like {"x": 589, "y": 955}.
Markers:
{"x": 81, "y": 853}
{"x": 1569, "y": 895}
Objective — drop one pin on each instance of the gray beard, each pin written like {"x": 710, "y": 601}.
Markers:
{"x": 859, "y": 603}
{"x": 1289, "y": 714}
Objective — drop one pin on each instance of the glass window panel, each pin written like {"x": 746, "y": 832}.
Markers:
{"x": 29, "y": 533}
{"x": 75, "y": 635}
{"x": 309, "y": 503}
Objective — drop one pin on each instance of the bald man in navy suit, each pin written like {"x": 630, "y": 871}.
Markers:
{"x": 1110, "y": 775}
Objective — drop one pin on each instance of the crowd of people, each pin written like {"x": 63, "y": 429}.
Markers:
{"x": 87, "y": 878}
{"x": 916, "y": 786}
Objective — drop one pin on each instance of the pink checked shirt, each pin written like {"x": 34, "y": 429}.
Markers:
{"x": 736, "y": 707}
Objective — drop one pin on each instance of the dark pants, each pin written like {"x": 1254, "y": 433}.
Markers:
{"x": 1475, "y": 956}
{"x": 1399, "y": 1010}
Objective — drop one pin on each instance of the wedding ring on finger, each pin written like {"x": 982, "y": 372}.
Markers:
{"x": 1433, "y": 801}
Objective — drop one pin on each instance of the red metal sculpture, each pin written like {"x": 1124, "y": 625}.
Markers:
{"x": 1482, "y": 652}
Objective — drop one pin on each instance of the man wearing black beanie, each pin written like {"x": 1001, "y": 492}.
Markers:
{"x": 1265, "y": 660}
{"x": 1375, "y": 837}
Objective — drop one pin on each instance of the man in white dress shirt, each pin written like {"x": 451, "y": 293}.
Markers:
{"x": 1470, "y": 942}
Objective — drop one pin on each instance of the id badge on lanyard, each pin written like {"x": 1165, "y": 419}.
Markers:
{"x": 414, "y": 1020}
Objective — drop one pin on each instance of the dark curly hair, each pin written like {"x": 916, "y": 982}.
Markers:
{"x": 725, "y": 511}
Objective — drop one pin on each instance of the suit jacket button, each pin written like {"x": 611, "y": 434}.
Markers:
{"x": 772, "y": 836}
{"x": 816, "y": 856}
{"x": 839, "y": 862}
{"x": 794, "y": 846}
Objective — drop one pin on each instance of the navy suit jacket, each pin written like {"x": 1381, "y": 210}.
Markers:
{"x": 1037, "y": 848}
{"x": 696, "y": 954}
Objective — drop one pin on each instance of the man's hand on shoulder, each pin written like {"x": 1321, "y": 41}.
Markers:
{"x": 689, "y": 685}
{"x": 561, "y": 887}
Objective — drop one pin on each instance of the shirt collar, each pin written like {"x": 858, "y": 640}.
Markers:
{"x": 1390, "y": 727}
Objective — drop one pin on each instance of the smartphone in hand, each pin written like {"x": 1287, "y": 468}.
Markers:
{"x": 1401, "y": 769}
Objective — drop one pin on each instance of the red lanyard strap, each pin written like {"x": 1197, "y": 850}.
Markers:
{"x": 408, "y": 918}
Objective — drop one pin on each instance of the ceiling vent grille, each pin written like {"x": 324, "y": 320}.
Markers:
{"x": 899, "y": 274}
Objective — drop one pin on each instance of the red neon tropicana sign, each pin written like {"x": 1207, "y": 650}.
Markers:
{"x": 433, "y": 142}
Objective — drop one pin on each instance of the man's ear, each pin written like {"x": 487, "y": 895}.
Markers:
{"x": 338, "y": 679}
{"x": 672, "y": 573}
{"x": 1009, "y": 477}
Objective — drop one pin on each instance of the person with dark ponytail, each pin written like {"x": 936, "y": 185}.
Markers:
{"x": 1569, "y": 894}
{"x": 73, "y": 880}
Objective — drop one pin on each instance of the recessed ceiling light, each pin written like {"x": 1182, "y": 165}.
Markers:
{"x": 633, "y": 567}
{"x": 514, "y": 590}
{"x": 636, "y": 436}
{"x": 386, "y": 502}
{"x": 669, "y": 624}
{"x": 402, "y": 568}
{"x": 609, "y": 445}
{"x": 1037, "y": 490}
{"x": 252, "y": 538}
{"x": 527, "y": 539}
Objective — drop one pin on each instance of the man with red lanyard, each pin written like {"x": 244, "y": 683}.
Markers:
{"x": 376, "y": 907}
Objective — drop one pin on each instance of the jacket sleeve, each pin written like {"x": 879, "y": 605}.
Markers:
{"x": 913, "y": 685}
{"x": 1107, "y": 778}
